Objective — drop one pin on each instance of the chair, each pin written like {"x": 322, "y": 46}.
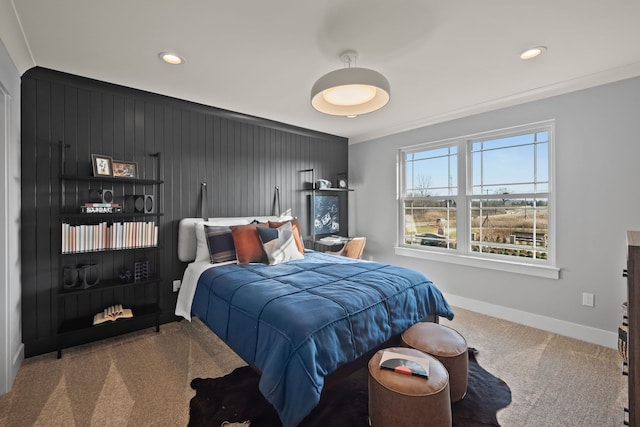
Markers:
{"x": 352, "y": 249}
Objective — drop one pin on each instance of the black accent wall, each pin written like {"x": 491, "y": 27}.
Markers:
{"x": 241, "y": 158}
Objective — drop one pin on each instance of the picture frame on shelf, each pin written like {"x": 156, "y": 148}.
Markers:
{"x": 102, "y": 165}
{"x": 125, "y": 169}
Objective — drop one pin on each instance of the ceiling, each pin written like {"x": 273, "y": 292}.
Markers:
{"x": 443, "y": 59}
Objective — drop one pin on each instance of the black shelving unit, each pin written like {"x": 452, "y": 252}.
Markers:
{"x": 313, "y": 189}
{"x": 77, "y": 304}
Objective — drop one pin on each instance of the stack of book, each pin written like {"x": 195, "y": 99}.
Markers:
{"x": 107, "y": 236}
{"x": 100, "y": 208}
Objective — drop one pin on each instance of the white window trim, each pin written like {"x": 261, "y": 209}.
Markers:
{"x": 546, "y": 269}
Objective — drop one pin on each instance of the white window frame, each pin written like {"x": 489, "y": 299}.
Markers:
{"x": 462, "y": 254}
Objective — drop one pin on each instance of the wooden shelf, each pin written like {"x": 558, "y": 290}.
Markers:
{"x": 108, "y": 250}
{"x": 122, "y": 180}
{"x": 103, "y": 216}
{"x": 139, "y": 313}
{"x": 106, "y": 284}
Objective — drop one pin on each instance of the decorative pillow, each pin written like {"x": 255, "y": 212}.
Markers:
{"x": 248, "y": 244}
{"x": 282, "y": 247}
{"x": 296, "y": 232}
{"x": 220, "y": 243}
{"x": 202, "y": 249}
{"x": 267, "y": 234}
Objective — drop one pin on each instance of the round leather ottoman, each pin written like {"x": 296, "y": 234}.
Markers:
{"x": 405, "y": 400}
{"x": 446, "y": 345}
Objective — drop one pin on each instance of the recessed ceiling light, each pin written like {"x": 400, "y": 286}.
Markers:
{"x": 532, "y": 52}
{"x": 171, "y": 58}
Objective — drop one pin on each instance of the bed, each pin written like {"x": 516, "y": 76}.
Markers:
{"x": 299, "y": 321}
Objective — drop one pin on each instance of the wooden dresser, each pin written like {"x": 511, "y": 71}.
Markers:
{"x": 633, "y": 299}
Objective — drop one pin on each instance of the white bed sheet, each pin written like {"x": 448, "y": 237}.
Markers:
{"x": 188, "y": 286}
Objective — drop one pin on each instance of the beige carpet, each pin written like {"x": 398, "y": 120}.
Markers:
{"x": 142, "y": 379}
{"x": 554, "y": 380}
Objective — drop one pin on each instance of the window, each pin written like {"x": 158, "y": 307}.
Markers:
{"x": 486, "y": 196}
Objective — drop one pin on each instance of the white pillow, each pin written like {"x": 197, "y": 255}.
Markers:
{"x": 283, "y": 248}
{"x": 243, "y": 220}
{"x": 229, "y": 221}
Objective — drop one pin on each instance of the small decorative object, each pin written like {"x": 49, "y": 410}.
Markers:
{"x": 342, "y": 183}
{"x": 70, "y": 277}
{"x": 102, "y": 165}
{"x": 125, "y": 276}
{"x": 142, "y": 271}
{"x": 112, "y": 313}
{"x": 123, "y": 168}
{"x": 81, "y": 277}
{"x": 323, "y": 183}
{"x": 100, "y": 195}
{"x": 139, "y": 203}
{"x": 146, "y": 270}
{"x": 89, "y": 276}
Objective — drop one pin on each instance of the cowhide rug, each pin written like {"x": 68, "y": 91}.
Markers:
{"x": 235, "y": 398}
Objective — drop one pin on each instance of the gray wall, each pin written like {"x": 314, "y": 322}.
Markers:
{"x": 11, "y": 348}
{"x": 597, "y": 199}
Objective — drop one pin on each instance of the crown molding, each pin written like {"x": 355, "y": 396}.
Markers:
{"x": 559, "y": 88}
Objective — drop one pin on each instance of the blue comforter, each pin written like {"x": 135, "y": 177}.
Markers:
{"x": 298, "y": 321}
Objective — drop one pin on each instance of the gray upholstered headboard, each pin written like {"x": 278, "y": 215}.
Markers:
{"x": 187, "y": 240}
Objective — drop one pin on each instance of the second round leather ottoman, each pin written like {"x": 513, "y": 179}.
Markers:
{"x": 446, "y": 345}
{"x": 404, "y": 400}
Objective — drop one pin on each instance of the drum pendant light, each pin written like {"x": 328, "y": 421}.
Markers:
{"x": 350, "y": 91}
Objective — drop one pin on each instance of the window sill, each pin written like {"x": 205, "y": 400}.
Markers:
{"x": 545, "y": 271}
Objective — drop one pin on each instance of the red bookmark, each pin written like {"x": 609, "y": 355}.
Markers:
{"x": 402, "y": 370}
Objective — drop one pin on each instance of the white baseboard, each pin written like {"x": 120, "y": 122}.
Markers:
{"x": 18, "y": 357}
{"x": 560, "y": 327}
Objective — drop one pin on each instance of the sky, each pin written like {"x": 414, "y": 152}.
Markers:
{"x": 498, "y": 164}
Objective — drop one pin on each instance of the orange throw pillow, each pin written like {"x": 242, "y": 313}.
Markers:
{"x": 248, "y": 244}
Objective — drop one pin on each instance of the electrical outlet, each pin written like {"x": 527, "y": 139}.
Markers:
{"x": 588, "y": 300}
{"x": 176, "y": 285}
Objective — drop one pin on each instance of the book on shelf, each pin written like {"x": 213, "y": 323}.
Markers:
{"x": 100, "y": 209}
{"x": 405, "y": 364}
{"x": 333, "y": 239}
{"x": 102, "y": 205}
{"x": 112, "y": 313}
{"x": 107, "y": 236}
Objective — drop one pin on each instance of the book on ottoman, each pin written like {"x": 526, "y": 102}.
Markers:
{"x": 405, "y": 364}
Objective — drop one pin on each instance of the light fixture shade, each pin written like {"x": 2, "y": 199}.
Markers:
{"x": 350, "y": 92}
